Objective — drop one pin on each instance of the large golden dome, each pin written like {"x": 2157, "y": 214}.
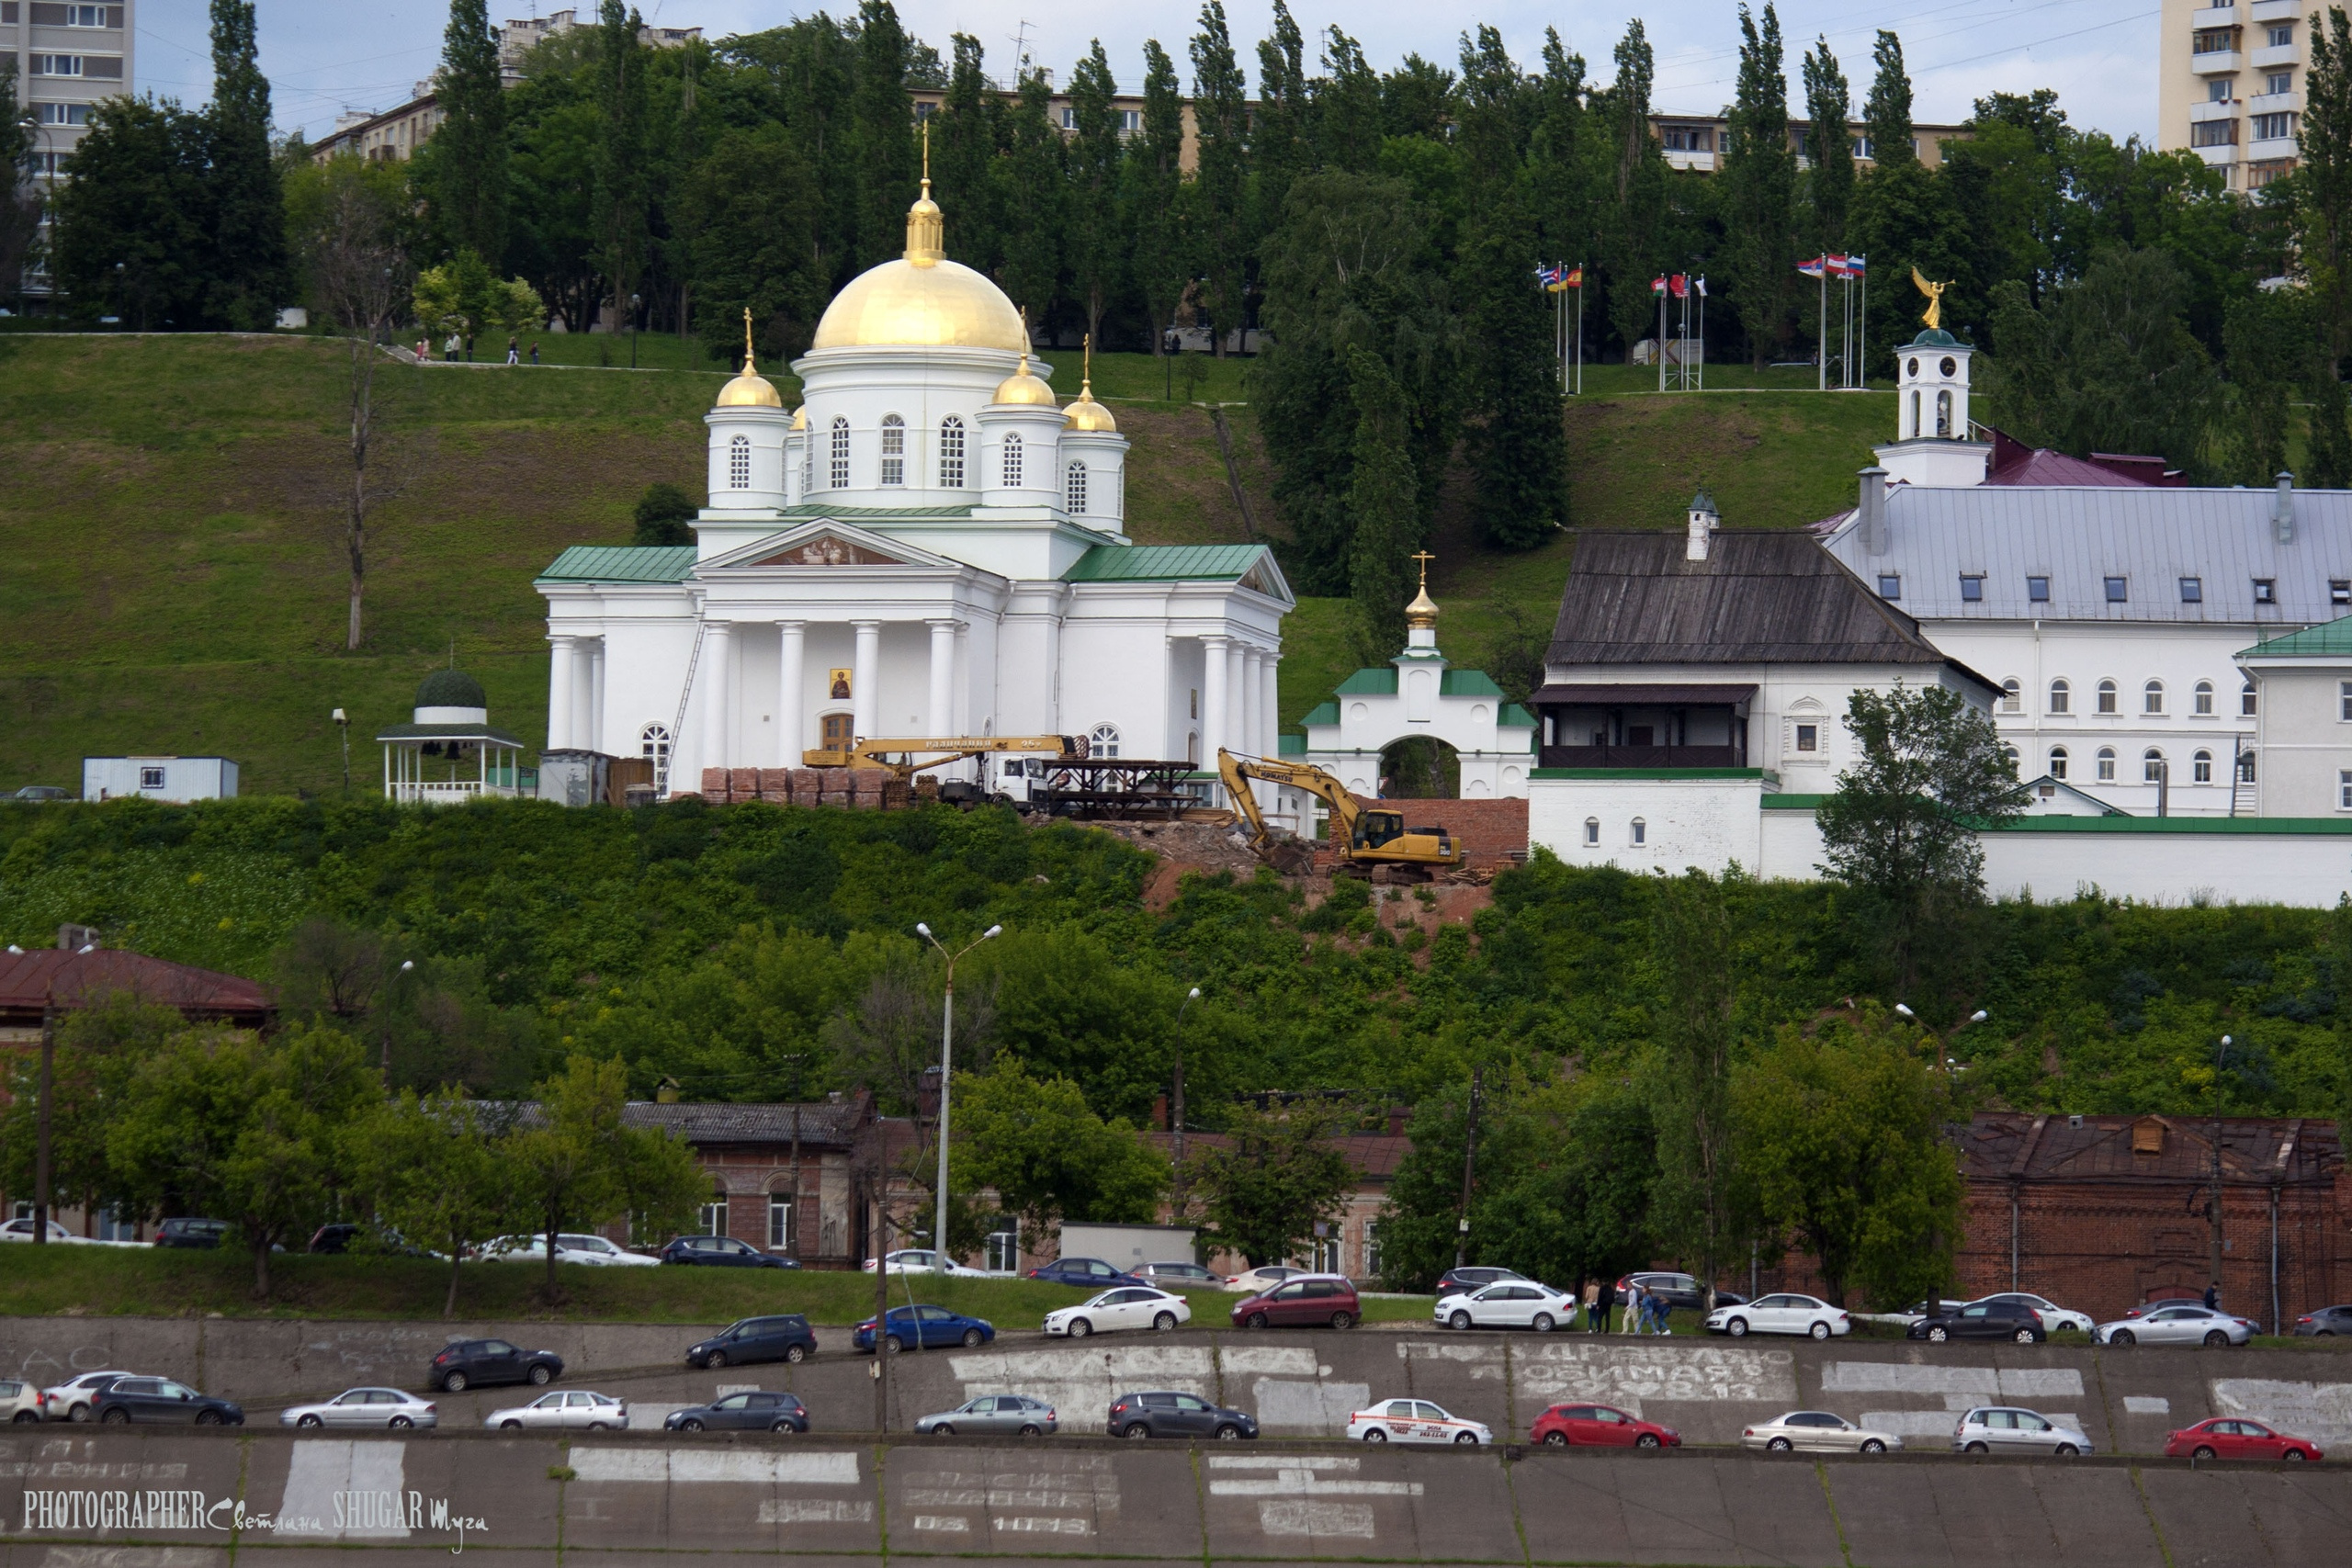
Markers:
{"x": 922, "y": 299}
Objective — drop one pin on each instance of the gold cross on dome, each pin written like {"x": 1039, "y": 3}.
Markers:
{"x": 1424, "y": 558}
{"x": 747, "y": 338}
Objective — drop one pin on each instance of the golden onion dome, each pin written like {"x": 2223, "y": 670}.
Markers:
{"x": 1085, "y": 413}
{"x": 749, "y": 389}
{"x": 1023, "y": 386}
{"x": 1422, "y": 611}
{"x": 922, "y": 299}
{"x": 800, "y": 417}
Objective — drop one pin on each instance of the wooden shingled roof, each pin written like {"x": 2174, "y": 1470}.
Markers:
{"x": 1760, "y": 597}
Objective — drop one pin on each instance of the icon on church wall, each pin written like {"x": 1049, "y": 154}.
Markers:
{"x": 837, "y": 686}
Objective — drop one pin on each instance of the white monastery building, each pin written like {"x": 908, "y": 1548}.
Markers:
{"x": 929, "y": 546}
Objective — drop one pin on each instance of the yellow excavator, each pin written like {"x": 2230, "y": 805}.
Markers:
{"x": 1362, "y": 840}
{"x": 896, "y": 756}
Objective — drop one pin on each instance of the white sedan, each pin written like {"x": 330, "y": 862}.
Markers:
{"x": 581, "y": 1247}
{"x": 1819, "y": 1432}
{"x": 920, "y": 1260}
{"x": 1784, "y": 1314}
{"x": 1127, "y": 1306}
{"x": 70, "y": 1401}
{"x": 392, "y": 1408}
{"x": 1258, "y": 1280}
{"x": 574, "y": 1409}
{"x": 1508, "y": 1303}
{"x": 1415, "y": 1421}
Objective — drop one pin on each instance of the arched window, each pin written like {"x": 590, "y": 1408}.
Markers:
{"x": 2057, "y": 762}
{"x": 653, "y": 745}
{"x": 1640, "y": 831}
{"x": 2106, "y": 696}
{"x": 2106, "y": 764}
{"x": 2151, "y": 697}
{"x": 1943, "y": 413}
{"x": 2245, "y": 767}
{"x": 2204, "y": 696}
{"x": 2011, "y": 754}
{"x": 2012, "y": 696}
{"x": 839, "y": 473}
{"x": 2202, "y": 767}
{"x": 808, "y": 462}
{"x": 1012, "y": 479}
{"x": 951, "y": 453}
{"x": 2152, "y": 766}
{"x": 1103, "y": 740}
{"x": 2246, "y": 702}
{"x": 2060, "y": 696}
{"x": 1074, "y": 489}
{"x": 1915, "y": 413}
{"x": 738, "y": 463}
{"x": 894, "y": 450}
{"x": 1592, "y": 830}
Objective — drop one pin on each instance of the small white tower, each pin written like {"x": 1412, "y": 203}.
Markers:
{"x": 1021, "y": 431}
{"x": 1704, "y": 520}
{"x": 1094, "y": 460}
{"x": 747, "y": 432}
{"x": 1933, "y": 444}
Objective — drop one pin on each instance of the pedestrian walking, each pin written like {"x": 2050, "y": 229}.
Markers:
{"x": 1636, "y": 1309}
{"x": 1591, "y": 1301}
{"x": 1660, "y": 1309}
{"x": 514, "y": 352}
{"x": 535, "y": 351}
{"x": 1605, "y": 1303}
{"x": 2213, "y": 1298}
{"x": 425, "y": 351}
{"x": 449, "y": 349}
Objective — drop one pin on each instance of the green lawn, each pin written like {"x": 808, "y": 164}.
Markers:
{"x": 98, "y": 1281}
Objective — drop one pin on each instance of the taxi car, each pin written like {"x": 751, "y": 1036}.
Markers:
{"x": 1414, "y": 1421}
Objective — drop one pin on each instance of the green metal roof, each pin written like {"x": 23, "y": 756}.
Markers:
{"x": 622, "y": 563}
{"x": 1380, "y": 682}
{"x": 1322, "y": 713}
{"x": 1164, "y": 563}
{"x": 2333, "y": 638}
{"x": 1515, "y": 715}
{"x": 1288, "y": 745}
{"x": 1467, "y": 683}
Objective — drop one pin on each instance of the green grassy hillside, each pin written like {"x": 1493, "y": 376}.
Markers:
{"x": 170, "y": 510}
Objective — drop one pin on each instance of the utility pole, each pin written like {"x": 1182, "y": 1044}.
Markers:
{"x": 881, "y": 1300}
{"x": 946, "y": 1051}
{"x": 1469, "y": 1166}
{"x": 1178, "y": 1194}
{"x": 41, "y": 1142}
{"x": 2220, "y": 1054}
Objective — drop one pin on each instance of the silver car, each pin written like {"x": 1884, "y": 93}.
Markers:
{"x": 2177, "y": 1323}
{"x": 1016, "y": 1412}
{"x": 392, "y": 1408}
{"x": 70, "y": 1401}
{"x": 1818, "y": 1432}
{"x": 2005, "y": 1429}
{"x": 572, "y": 1410}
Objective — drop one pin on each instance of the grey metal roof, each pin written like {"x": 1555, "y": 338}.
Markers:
{"x": 825, "y": 1124}
{"x": 1758, "y": 598}
{"x": 2151, "y": 536}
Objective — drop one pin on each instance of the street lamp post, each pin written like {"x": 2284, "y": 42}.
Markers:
{"x": 946, "y": 1067}
{"x": 1190, "y": 998}
{"x": 343, "y": 722}
{"x": 2220, "y": 1054}
{"x": 632, "y": 330}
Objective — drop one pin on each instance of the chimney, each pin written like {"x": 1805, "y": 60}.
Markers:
{"x": 1398, "y": 1116}
{"x": 1704, "y": 520}
{"x": 74, "y": 938}
{"x": 1159, "y": 1110}
{"x": 2282, "y": 510}
{"x": 1872, "y": 510}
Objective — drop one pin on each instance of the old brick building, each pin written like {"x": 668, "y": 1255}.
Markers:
{"x": 790, "y": 1179}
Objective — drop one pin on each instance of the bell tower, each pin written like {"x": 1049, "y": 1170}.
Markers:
{"x": 1934, "y": 443}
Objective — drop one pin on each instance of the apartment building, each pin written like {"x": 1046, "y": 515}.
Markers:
{"x": 2230, "y": 85}
{"x": 518, "y": 36}
{"x": 1061, "y": 110}
{"x": 67, "y": 58}
{"x": 1699, "y": 141}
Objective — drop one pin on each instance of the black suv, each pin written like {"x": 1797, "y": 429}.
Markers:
{"x": 1461, "y": 1282}
{"x": 1177, "y": 1415}
{"x": 162, "y": 1400}
{"x": 722, "y": 1252}
{"x": 191, "y": 1232}
{"x": 469, "y": 1363}
{"x": 1092, "y": 1273}
{"x": 1680, "y": 1290}
{"x": 746, "y": 1411}
{"x": 1982, "y": 1320}
{"x": 785, "y": 1337}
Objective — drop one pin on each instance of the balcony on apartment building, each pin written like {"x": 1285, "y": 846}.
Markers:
{"x": 2217, "y": 62}
{"x": 2278, "y": 10}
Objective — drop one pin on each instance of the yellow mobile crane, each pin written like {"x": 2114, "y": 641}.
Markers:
{"x": 1362, "y": 839}
{"x": 897, "y": 755}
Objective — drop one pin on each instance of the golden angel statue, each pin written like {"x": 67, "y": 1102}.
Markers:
{"x": 1935, "y": 293}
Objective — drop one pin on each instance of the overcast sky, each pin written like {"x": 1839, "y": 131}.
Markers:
{"x": 2100, "y": 55}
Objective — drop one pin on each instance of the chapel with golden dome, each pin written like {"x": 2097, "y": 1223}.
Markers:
{"x": 927, "y": 542}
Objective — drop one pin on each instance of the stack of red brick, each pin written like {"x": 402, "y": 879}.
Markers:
{"x": 870, "y": 788}
{"x": 1493, "y": 833}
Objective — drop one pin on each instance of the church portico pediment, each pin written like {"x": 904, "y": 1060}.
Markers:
{"x": 828, "y": 550}
{"x": 826, "y": 545}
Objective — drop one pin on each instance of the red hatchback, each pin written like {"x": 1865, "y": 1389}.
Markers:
{"x": 2227, "y": 1436}
{"x": 1600, "y": 1426}
{"x": 1301, "y": 1301}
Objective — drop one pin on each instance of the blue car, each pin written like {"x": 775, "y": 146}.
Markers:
{"x": 1087, "y": 1273}
{"x": 927, "y": 1328}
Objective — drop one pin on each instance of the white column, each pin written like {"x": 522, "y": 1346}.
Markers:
{"x": 560, "y": 692}
{"x": 718, "y": 695}
{"x": 1212, "y": 698}
{"x": 940, "y": 715}
{"x": 1237, "y": 736}
{"x": 595, "y": 727}
{"x": 1254, "y": 697}
{"x": 866, "y": 677}
{"x": 1270, "y": 704}
{"x": 790, "y": 727}
{"x": 960, "y": 707}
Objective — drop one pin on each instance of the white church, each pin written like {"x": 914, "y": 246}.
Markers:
{"x": 929, "y": 545}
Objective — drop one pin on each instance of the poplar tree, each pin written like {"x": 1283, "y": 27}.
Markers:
{"x": 19, "y": 205}
{"x": 1829, "y": 189}
{"x": 1383, "y": 500}
{"x": 2323, "y": 184}
{"x": 247, "y": 219}
{"x": 1282, "y": 135}
{"x": 1632, "y": 211}
{"x": 963, "y": 159}
{"x": 1759, "y": 180}
{"x": 1094, "y": 239}
{"x": 1155, "y": 173}
{"x": 620, "y": 204}
{"x": 1221, "y": 122}
{"x": 884, "y": 137}
{"x": 462, "y": 171}
{"x": 1517, "y": 445}
{"x": 1032, "y": 195}
{"x": 1347, "y": 120}
{"x": 1887, "y": 112}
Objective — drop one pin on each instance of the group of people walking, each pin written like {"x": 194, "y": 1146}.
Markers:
{"x": 1644, "y": 1312}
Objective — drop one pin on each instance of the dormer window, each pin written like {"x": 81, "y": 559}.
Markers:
{"x": 2266, "y": 591}
{"x": 2037, "y": 590}
{"x": 1972, "y": 588}
{"x": 2192, "y": 591}
{"x": 2119, "y": 589}
{"x": 1890, "y": 585}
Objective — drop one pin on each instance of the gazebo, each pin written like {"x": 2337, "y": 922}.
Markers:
{"x": 452, "y": 736}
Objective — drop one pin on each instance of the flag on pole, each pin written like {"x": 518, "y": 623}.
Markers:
{"x": 1657, "y": 285}
{"x": 1852, "y": 267}
{"x": 1679, "y": 286}
{"x": 1817, "y": 267}
{"x": 1700, "y": 283}
{"x": 1575, "y": 277}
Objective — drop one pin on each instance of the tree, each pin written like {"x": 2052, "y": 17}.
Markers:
{"x": 1221, "y": 121}
{"x": 1517, "y": 445}
{"x": 1154, "y": 178}
{"x": 1347, "y": 114}
{"x": 98, "y": 1047}
{"x": 130, "y": 237}
{"x": 246, "y": 259}
{"x": 1046, "y": 1154}
{"x": 884, "y": 134}
{"x": 2271, "y": 340}
{"x": 1632, "y": 207}
{"x": 963, "y": 158}
{"x": 620, "y": 163}
{"x": 1697, "y": 974}
{"x": 19, "y": 197}
{"x": 1759, "y": 180}
{"x": 1032, "y": 192}
{"x": 575, "y": 1164}
{"x": 432, "y": 1166}
{"x": 1282, "y": 132}
{"x": 462, "y": 171}
{"x": 1275, "y": 1178}
{"x": 1581, "y": 1206}
{"x": 1829, "y": 189}
{"x": 1383, "y": 502}
{"x": 1843, "y": 1136}
{"x": 1095, "y": 242}
{"x": 1887, "y": 113}
{"x": 663, "y": 515}
{"x": 751, "y": 205}
{"x": 2321, "y": 199}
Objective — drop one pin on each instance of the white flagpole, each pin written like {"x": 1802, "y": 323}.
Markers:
{"x": 1661, "y": 338}
{"x": 1821, "y": 342}
{"x": 1580, "y": 329}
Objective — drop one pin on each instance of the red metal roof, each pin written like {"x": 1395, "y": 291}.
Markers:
{"x": 2015, "y": 463}
{"x": 29, "y": 980}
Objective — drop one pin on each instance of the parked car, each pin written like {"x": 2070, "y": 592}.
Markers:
{"x": 1682, "y": 1292}
{"x": 2234, "y": 1436}
{"x": 1415, "y": 1421}
{"x": 1251, "y": 1281}
{"x": 2054, "y": 1317}
{"x": 573, "y": 1410}
{"x": 1508, "y": 1303}
{"x": 1177, "y": 1415}
{"x": 1089, "y": 1273}
{"x": 22, "y": 1230}
{"x": 1180, "y": 1276}
{"x": 42, "y": 792}
{"x": 21, "y": 1400}
{"x": 1818, "y": 1431}
{"x": 1128, "y": 1306}
{"x": 394, "y": 1409}
{"x": 1785, "y": 1314}
{"x": 747, "y": 1410}
{"x": 2004, "y": 1429}
{"x": 162, "y": 1400}
{"x": 920, "y": 1260}
{"x": 466, "y": 1363}
{"x": 584, "y": 1247}
{"x": 723, "y": 1252}
{"x": 2324, "y": 1322}
{"x": 71, "y": 1400}
{"x": 2178, "y": 1323}
{"x": 1303, "y": 1301}
{"x": 1599, "y": 1427}
{"x": 192, "y": 1233}
{"x": 1461, "y": 1282}
{"x": 1982, "y": 1320}
{"x": 785, "y": 1337}
{"x": 993, "y": 1413}
{"x": 570, "y": 1246}
{"x": 928, "y": 1328}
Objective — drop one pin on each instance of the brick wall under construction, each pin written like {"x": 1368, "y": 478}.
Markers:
{"x": 870, "y": 788}
{"x": 1493, "y": 832}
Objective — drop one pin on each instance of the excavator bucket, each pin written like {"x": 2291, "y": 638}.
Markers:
{"x": 1288, "y": 857}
